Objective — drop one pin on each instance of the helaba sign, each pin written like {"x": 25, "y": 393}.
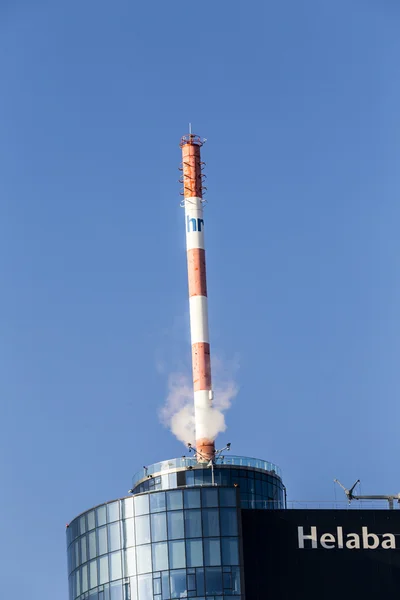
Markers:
{"x": 365, "y": 540}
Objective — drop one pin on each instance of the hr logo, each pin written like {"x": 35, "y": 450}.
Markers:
{"x": 194, "y": 224}
{"x": 352, "y": 541}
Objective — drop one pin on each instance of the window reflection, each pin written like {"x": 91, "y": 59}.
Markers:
{"x": 92, "y": 544}
{"x": 229, "y": 521}
{"x": 230, "y": 551}
{"x": 102, "y": 540}
{"x": 101, "y": 516}
{"x": 177, "y": 554}
{"x": 93, "y": 574}
{"x": 157, "y": 502}
{"x": 210, "y": 497}
{"x": 129, "y": 539}
{"x": 141, "y": 505}
{"x": 145, "y": 587}
{"x": 191, "y": 498}
{"x": 160, "y": 556}
{"x": 113, "y": 537}
{"x": 174, "y": 500}
{"x": 175, "y": 525}
{"x": 178, "y": 584}
{"x": 130, "y": 562}
{"x": 159, "y": 527}
{"x": 103, "y": 570}
{"x": 143, "y": 558}
{"x": 212, "y": 552}
{"x": 115, "y": 566}
{"x": 113, "y": 512}
{"x": 210, "y": 522}
{"x": 142, "y": 527}
{"x": 193, "y": 523}
{"x": 227, "y": 496}
{"x": 194, "y": 553}
{"x": 213, "y": 581}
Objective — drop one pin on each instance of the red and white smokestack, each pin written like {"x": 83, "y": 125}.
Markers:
{"x": 193, "y": 203}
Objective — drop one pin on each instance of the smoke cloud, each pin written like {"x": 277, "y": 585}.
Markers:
{"x": 177, "y": 414}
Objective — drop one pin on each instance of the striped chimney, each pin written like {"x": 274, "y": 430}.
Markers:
{"x": 196, "y": 261}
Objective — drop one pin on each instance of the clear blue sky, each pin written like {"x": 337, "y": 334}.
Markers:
{"x": 300, "y": 105}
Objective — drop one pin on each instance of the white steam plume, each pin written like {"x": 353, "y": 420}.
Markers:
{"x": 177, "y": 414}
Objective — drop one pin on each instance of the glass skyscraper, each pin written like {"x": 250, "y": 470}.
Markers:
{"x": 177, "y": 535}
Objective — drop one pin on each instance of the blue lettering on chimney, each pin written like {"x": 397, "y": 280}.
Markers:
{"x": 194, "y": 223}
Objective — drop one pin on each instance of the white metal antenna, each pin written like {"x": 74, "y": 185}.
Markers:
{"x": 190, "y": 129}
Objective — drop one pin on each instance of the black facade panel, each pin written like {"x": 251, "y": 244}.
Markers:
{"x": 276, "y": 567}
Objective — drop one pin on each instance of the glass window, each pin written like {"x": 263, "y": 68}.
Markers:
{"x": 129, "y": 539}
{"x": 82, "y": 524}
{"x": 160, "y": 556}
{"x": 212, "y": 552}
{"x": 116, "y": 591}
{"x": 177, "y": 555}
{"x": 101, "y": 516}
{"x": 175, "y": 525}
{"x": 194, "y": 553}
{"x": 200, "y": 582}
{"x": 227, "y": 581}
{"x": 141, "y": 505}
{"x": 157, "y": 586}
{"x": 236, "y": 580}
{"x": 128, "y": 508}
{"x": 113, "y": 512}
{"x": 172, "y": 480}
{"x": 115, "y": 566}
{"x": 158, "y": 527}
{"x": 102, "y": 538}
{"x": 93, "y": 573}
{"x": 92, "y": 544}
{"x": 191, "y": 498}
{"x": 178, "y": 584}
{"x": 230, "y": 551}
{"x": 198, "y": 476}
{"x": 213, "y": 581}
{"x": 189, "y": 478}
{"x": 174, "y": 500}
{"x": 143, "y": 558}
{"x": 142, "y": 526}
{"x": 229, "y": 521}
{"x": 157, "y": 502}
{"x": 145, "y": 587}
{"x": 130, "y": 562}
{"x": 193, "y": 523}
{"x": 227, "y": 497}
{"x": 210, "y": 522}
{"x": 165, "y": 586}
{"x": 91, "y": 518}
{"x": 133, "y": 588}
{"x": 103, "y": 570}
{"x": 210, "y": 497}
{"x": 93, "y": 595}
{"x": 85, "y": 579}
{"x": 77, "y": 552}
{"x": 77, "y": 582}
{"x": 191, "y": 580}
{"x": 83, "y": 549}
{"x": 113, "y": 537}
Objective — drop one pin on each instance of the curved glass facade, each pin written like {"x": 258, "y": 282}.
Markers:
{"x": 180, "y": 543}
{"x": 259, "y": 482}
